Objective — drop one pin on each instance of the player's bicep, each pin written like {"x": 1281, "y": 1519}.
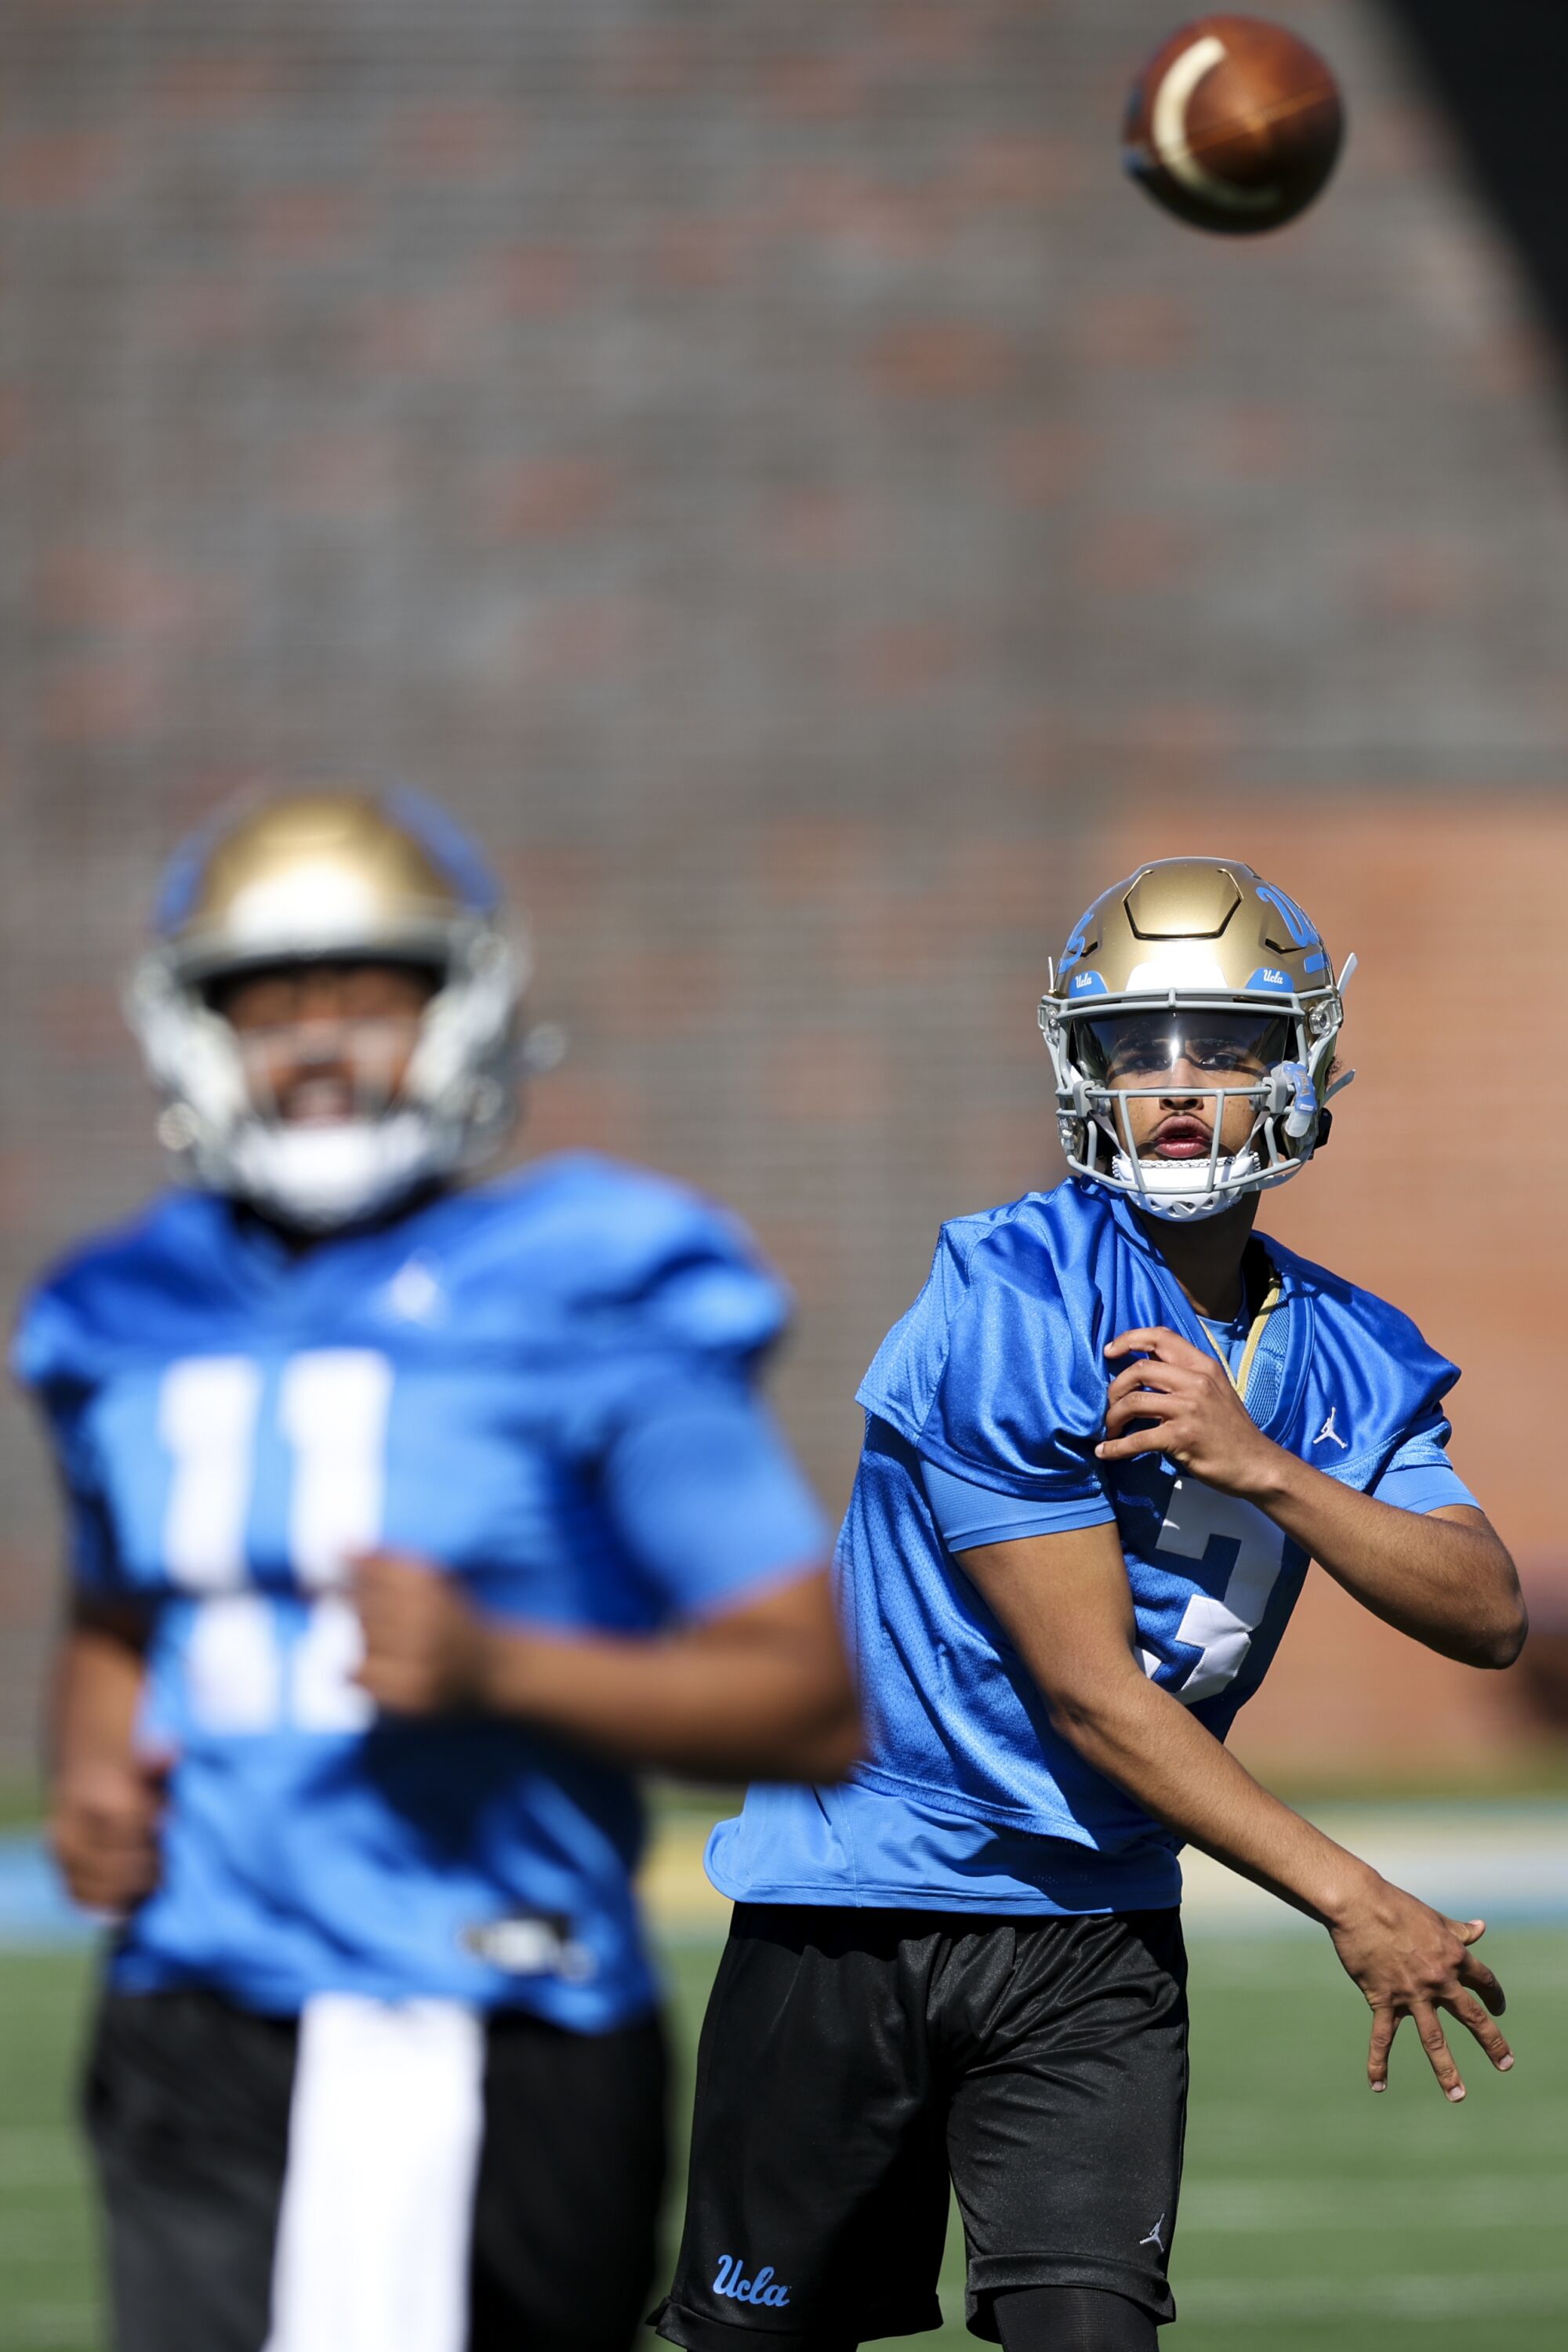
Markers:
{"x": 1065, "y": 1603}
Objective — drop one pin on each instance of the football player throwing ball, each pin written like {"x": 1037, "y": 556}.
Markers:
{"x": 407, "y": 1519}
{"x": 1100, "y": 1450}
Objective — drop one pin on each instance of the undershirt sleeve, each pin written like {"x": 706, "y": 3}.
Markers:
{"x": 706, "y": 1496}
{"x": 966, "y": 1513}
{"x": 1420, "y": 1478}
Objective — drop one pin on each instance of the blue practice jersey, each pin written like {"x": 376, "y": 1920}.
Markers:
{"x": 996, "y": 1378}
{"x": 544, "y": 1387}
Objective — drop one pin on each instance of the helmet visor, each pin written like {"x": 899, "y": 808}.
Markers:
{"x": 1146, "y": 1049}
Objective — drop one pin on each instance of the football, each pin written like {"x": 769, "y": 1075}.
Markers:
{"x": 1233, "y": 125}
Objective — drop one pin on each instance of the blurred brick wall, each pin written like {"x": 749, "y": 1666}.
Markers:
{"x": 761, "y": 465}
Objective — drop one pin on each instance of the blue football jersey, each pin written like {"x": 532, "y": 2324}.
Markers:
{"x": 543, "y": 1386}
{"x": 968, "y": 1798}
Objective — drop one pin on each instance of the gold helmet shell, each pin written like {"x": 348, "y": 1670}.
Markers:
{"x": 1205, "y": 925}
{"x": 1196, "y": 934}
{"x": 339, "y": 872}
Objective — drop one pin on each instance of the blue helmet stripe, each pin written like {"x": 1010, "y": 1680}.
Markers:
{"x": 1299, "y": 924}
{"x": 449, "y": 846}
{"x": 180, "y": 883}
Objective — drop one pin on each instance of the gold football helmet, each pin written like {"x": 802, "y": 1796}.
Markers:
{"x": 1195, "y": 964}
{"x": 325, "y": 876}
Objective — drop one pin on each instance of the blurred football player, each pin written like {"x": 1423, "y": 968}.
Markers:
{"x": 1100, "y": 1449}
{"x": 406, "y": 1520}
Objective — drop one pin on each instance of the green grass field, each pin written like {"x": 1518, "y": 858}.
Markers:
{"x": 1314, "y": 2215}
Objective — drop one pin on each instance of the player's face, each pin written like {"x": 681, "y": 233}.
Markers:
{"x": 1182, "y": 1058}
{"x": 321, "y": 1043}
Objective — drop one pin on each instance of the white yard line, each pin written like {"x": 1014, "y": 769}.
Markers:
{"x": 1420, "y": 2296}
{"x": 1521, "y": 2200}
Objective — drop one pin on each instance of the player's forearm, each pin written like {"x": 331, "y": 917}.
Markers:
{"x": 1448, "y": 1583}
{"x": 1145, "y": 1740}
{"x": 105, "y": 1797}
{"x": 95, "y": 1693}
{"x": 760, "y": 1709}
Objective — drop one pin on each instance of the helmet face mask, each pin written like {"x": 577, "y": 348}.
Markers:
{"x": 320, "y": 1121}
{"x": 1192, "y": 1024}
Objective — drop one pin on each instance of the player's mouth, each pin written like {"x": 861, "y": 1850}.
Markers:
{"x": 1180, "y": 1137}
{"x": 317, "y": 1101}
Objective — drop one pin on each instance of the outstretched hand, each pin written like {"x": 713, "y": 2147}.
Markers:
{"x": 1197, "y": 1419}
{"x": 1411, "y": 1961}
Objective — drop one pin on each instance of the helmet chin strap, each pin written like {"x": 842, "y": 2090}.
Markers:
{"x": 1186, "y": 1191}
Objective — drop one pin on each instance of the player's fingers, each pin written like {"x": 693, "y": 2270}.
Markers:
{"x": 1473, "y": 2019}
{"x": 382, "y": 1611}
{"x": 92, "y": 1890}
{"x": 100, "y": 1885}
{"x": 1167, "y": 1347}
{"x": 1384, "y": 2026}
{"x": 155, "y": 1765}
{"x": 1123, "y": 1449}
{"x": 1149, "y": 1378}
{"x": 365, "y": 1592}
{"x": 1140, "y": 1404}
{"x": 109, "y": 1833}
{"x": 132, "y": 1875}
{"x": 401, "y": 1694}
{"x": 378, "y": 1571}
{"x": 1479, "y": 1978}
{"x": 1440, "y": 2058}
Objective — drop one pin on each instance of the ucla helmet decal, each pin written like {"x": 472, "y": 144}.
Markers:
{"x": 340, "y": 875}
{"x": 1193, "y": 963}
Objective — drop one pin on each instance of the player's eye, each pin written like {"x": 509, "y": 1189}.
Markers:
{"x": 1142, "y": 1061}
{"x": 1218, "y": 1054}
{"x": 1249, "y": 1049}
{"x": 1127, "y": 1051}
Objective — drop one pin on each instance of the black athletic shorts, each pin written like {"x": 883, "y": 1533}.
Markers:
{"x": 188, "y": 2110}
{"x": 853, "y": 2061}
